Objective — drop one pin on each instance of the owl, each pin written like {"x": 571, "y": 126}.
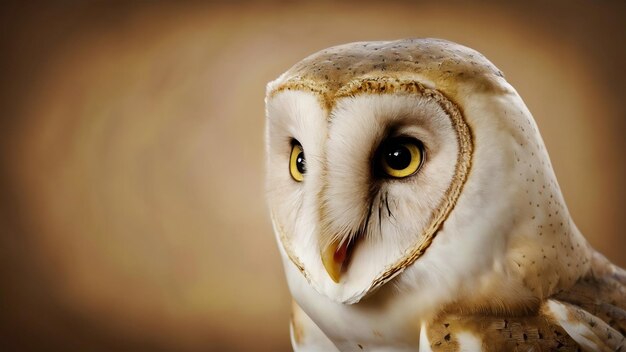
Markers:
{"x": 416, "y": 209}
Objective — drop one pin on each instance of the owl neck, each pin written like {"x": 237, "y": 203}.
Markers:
{"x": 537, "y": 264}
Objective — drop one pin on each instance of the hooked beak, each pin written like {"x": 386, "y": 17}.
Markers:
{"x": 335, "y": 258}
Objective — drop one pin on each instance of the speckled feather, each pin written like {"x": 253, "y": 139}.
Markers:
{"x": 330, "y": 70}
{"x": 526, "y": 333}
{"x": 596, "y": 303}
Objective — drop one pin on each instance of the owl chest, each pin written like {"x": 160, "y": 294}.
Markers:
{"x": 375, "y": 324}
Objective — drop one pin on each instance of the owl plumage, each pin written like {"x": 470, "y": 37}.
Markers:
{"x": 415, "y": 208}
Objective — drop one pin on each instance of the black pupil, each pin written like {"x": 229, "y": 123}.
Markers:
{"x": 300, "y": 163}
{"x": 398, "y": 157}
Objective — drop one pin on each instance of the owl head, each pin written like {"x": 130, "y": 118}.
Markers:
{"x": 414, "y": 164}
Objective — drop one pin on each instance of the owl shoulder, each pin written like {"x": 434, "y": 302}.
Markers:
{"x": 589, "y": 316}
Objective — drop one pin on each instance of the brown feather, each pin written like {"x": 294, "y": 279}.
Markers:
{"x": 597, "y": 303}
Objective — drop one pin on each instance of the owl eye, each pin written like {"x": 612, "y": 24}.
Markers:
{"x": 401, "y": 157}
{"x": 297, "y": 162}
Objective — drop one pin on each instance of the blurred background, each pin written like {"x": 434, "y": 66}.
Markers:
{"x": 132, "y": 209}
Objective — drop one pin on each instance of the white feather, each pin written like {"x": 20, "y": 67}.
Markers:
{"x": 509, "y": 224}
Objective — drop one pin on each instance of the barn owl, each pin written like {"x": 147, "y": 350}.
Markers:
{"x": 416, "y": 209}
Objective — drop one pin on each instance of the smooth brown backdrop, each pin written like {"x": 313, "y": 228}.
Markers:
{"x": 131, "y": 170}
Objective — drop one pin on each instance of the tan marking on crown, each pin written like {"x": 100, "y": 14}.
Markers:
{"x": 327, "y": 72}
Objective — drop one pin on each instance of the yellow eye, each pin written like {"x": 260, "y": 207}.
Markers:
{"x": 401, "y": 157}
{"x": 297, "y": 163}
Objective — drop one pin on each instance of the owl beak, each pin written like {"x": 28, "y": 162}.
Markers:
{"x": 334, "y": 256}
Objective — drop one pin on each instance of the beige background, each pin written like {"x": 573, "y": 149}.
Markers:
{"x": 131, "y": 170}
